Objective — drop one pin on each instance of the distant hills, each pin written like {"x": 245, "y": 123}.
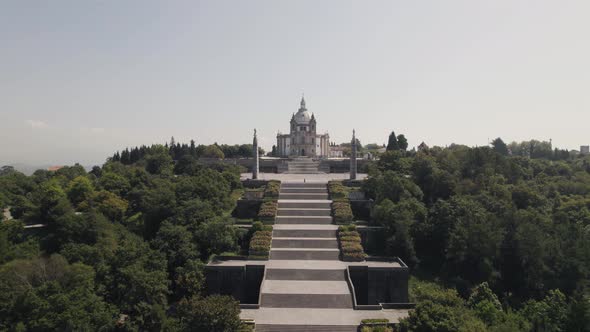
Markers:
{"x": 29, "y": 169}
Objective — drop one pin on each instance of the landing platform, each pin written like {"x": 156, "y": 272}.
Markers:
{"x": 304, "y": 264}
{"x": 319, "y": 178}
{"x": 318, "y": 316}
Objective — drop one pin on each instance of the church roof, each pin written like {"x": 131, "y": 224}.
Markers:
{"x": 302, "y": 116}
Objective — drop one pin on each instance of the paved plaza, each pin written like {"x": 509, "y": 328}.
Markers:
{"x": 311, "y": 178}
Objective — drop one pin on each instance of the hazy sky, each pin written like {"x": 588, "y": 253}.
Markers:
{"x": 81, "y": 79}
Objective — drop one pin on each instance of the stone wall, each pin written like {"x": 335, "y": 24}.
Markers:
{"x": 247, "y": 208}
{"x": 375, "y": 285}
{"x": 242, "y": 282}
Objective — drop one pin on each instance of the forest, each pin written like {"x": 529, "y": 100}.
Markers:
{"x": 122, "y": 247}
{"x": 497, "y": 238}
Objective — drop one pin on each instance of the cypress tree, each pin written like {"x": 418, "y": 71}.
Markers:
{"x": 392, "y": 145}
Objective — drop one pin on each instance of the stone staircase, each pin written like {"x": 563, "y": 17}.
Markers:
{"x": 303, "y": 165}
{"x": 305, "y": 328}
{"x": 305, "y": 287}
{"x": 304, "y": 270}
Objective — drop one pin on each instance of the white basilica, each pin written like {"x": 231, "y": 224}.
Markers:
{"x": 303, "y": 139}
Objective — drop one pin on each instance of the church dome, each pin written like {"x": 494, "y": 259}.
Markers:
{"x": 302, "y": 116}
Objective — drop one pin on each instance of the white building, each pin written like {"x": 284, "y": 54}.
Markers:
{"x": 303, "y": 139}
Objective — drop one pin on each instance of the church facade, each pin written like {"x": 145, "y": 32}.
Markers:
{"x": 303, "y": 140}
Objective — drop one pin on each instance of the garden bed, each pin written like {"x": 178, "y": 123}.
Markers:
{"x": 268, "y": 211}
{"x": 260, "y": 242}
{"x": 349, "y": 241}
{"x": 376, "y": 325}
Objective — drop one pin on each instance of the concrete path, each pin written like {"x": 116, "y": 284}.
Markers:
{"x": 317, "y": 178}
{"x": 317, "y": 316}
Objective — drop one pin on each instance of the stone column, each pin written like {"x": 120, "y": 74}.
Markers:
{"x": 353, "y": 157}
{"x": 256, "y": 165}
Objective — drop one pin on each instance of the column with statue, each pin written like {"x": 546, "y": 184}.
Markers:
{"x": 256, "y": 165}
{"x": 353, "y": 148}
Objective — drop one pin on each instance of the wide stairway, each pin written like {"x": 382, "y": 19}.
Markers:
{"x": 303, "y": 165}
{"x": 304, "y": 273}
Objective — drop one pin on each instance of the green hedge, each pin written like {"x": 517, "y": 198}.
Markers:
{"x": 260, "y": 243}
{"x": 337, "y": 190}
{"x": 378, "y": 328}
{"x": 272, "y": 189}
{"x": 375, "y": 321}
{"x": 268, "y": 210}
{"x": 350, "y": 244}
{"x": 342, "y": 212}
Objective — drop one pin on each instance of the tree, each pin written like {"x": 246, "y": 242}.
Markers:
{"x": 176, "y": 243}
{"x": 188, "y": 280}
{"x": 438, "y": 309}
{"x": 114, "y": 183}
{"x": 51, "y": 201}
{"x": 135, "y": 278}
{"x": 50, "y": 294}
{"x": 159, "y": 161}
{"x": 80, "y": 189}
{"x": 188, "y": 165}
{"x": 392, "y": 144}
{"x": 398, "y": 219}
{"x": 499, "y": 146}
{"x": 486, "y": 305}
{"x": 402, "y": 142}
{"x": 549, "y": 314}
{"x": 215, "y": 313}
{"x": 107, "y": 203}
{"x": 213, "y": 151}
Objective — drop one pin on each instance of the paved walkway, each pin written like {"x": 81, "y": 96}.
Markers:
{"x": 313, "y": 178}
{"x": 303, "y": 264}
{"x": 318, "y": 316}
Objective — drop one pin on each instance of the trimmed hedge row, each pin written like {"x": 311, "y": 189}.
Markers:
{"x": 350, "y": 244}
{"x": 376, "y": 328}
{"x": 342, "y": 212}
{"x": 376, "y": 325}
{"x": 260, "y": 243}
{"x": 337, "y": 190}
{"x": 268, "y": 211}
{"x": 272, "y": 189}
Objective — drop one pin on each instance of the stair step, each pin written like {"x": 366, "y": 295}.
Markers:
{"x": 305, "y": 294}
{"x": 301, "y": 220}
{"x": 304, "y": 190}
{"x": 305, "y": 274}
{"x": 306, "y": 300}
{"x": 303, "y": 212}
{"x": 303, "y": 233}
{"x": 305, "y": 328}
{"x": 303, "y": 204}
{"x": 303, "y": 184}
{"x": 299, "y": 196}
{"x": 297, "y": 242}
{"x": 304, "y": 253}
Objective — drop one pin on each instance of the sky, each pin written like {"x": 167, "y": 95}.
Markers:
{"x": 82, "y": 79}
